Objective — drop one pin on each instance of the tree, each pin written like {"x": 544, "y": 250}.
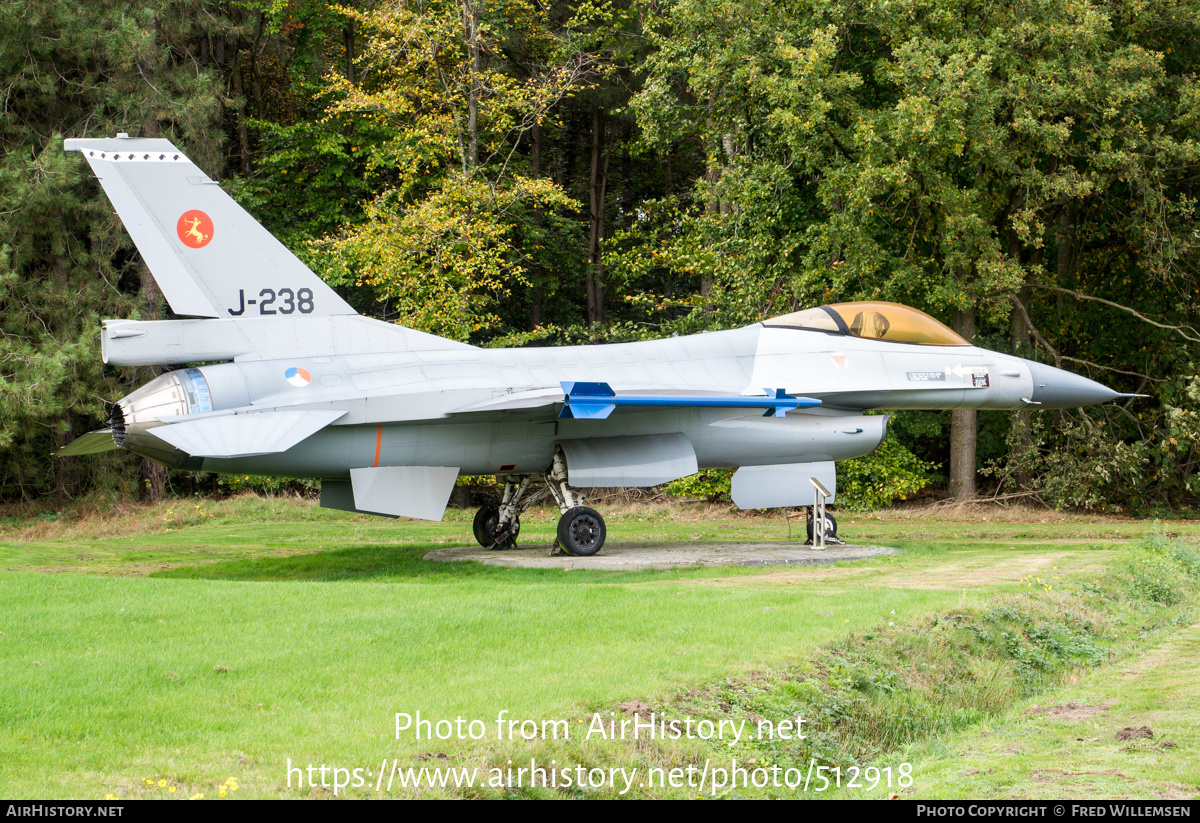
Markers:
{"x": 76, "y": 70}
{"x": 926, "y": 152}
{"x": 457, "y": 230}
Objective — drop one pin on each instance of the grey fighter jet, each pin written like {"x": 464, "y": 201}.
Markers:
{"x": 388, "y": 417}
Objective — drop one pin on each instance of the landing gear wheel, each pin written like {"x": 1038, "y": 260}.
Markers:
{"x": 830, "y": 527}
{"x": 581, "y": 531}
{"x": 479, "y": 527}
{"x": 486, "y": 523}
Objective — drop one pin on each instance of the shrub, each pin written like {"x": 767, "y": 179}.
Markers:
{"x": 878, "y": 479}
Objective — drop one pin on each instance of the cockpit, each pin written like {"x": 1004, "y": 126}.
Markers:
{"x": 875, "y": 320}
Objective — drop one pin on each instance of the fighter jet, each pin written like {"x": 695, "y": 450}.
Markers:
{"x": 299, "y": 384}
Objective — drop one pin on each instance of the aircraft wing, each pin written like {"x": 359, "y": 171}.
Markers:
{"x": 243, "y": 434}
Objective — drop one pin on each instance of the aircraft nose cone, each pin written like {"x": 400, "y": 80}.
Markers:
{"x": 1059, "y": 389}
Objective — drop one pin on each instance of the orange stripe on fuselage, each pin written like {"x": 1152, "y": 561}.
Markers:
{"x": 378, "y": 443}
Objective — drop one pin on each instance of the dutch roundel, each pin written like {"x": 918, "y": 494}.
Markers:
{"x": 297, "y": 377}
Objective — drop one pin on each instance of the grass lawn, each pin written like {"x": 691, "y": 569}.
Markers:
{"x": 1084, "y": 741}
{"x": 201, "y": 641}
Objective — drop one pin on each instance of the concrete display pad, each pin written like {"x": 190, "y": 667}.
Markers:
{"x": 638, "y": 556}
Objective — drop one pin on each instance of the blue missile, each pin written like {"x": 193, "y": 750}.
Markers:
{"x": 596, "y": 401}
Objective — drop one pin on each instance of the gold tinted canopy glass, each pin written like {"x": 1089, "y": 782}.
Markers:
{"x": 875, "y": 320}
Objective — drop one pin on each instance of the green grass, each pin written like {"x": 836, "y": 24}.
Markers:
{"x": 219, "y": 642}
{"x": 1038, "y": 752}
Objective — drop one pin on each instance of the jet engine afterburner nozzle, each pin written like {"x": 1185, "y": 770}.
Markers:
{"x": 135, "y": 417}
{"x": 1059, "y": 389}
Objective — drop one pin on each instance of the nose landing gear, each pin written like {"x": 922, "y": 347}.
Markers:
{"x": 488, "y": 531}
{"x": 830, "y": 530}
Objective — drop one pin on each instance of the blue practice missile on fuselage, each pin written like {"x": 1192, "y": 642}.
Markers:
{"x": 596, "y": 401}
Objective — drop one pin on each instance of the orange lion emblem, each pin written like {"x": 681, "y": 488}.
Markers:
{"x": 195, "y": 229}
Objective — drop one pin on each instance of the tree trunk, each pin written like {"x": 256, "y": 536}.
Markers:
{"x": 67, "y": 474}
{"x": 1021, "y": 440}
{"x": 730, "y": 148}
{"x": 597, "y": 185}
{"x": 537, "y": 297}
{"x": 243, "y": 136}
{"x": 711, "y": 175}
{"x": 963, "y": 427}
{"x": 152, "y": 479}
{"x": 471, "y": 24}
{"x": 348, "y": 39}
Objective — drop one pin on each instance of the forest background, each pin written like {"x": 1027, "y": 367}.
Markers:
{"x": 507, "y": 172}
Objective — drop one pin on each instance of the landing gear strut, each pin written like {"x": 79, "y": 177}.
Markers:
{"x": 581, "y": 530}
{"x": 488, "y": 532}
{"x": 497, "y": 526}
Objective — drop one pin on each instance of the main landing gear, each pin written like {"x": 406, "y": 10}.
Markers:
{"x": 581, "y": 530}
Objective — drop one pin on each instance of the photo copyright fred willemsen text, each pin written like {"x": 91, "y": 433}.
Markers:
{"x": 712, "y": 776}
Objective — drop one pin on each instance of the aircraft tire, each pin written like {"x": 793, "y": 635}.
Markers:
{"x": 581, "y": 532}
{"x": 484, "y": 528}
{"x": 479, "y": 526}
{"x": 830, "y": 527}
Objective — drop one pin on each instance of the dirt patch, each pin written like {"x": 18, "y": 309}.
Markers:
{"x": 663, "y": 555}
{"x": 635, "y": 708}
{"x": 812, "y": 574}
{"x": 1070, "y": 711}
{"x": 998, "y": 512}
{"x": 1056, "y": 775}
{"x": 958, "y": 576}
{"x": 113, "y": 567}
{"x": 1140, "y": 668}
{"x": 1131, "y": 733}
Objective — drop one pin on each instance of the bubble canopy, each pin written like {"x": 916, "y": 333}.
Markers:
{"x": 873, "y": 320}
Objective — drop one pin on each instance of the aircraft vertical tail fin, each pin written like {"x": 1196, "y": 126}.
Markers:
{"x": 207, "y": 254}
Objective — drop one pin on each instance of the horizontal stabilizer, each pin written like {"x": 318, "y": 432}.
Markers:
{"x": 404, "y": 491}
{"x": 91, "y": 443}
{"x": 788, "y": 484}
{"x": 637, "y": 460}
{"x": 597, "y": 401}
{"x": 246, "y": 434}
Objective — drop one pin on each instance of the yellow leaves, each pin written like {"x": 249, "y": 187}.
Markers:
{"x": 444, "y": 260}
